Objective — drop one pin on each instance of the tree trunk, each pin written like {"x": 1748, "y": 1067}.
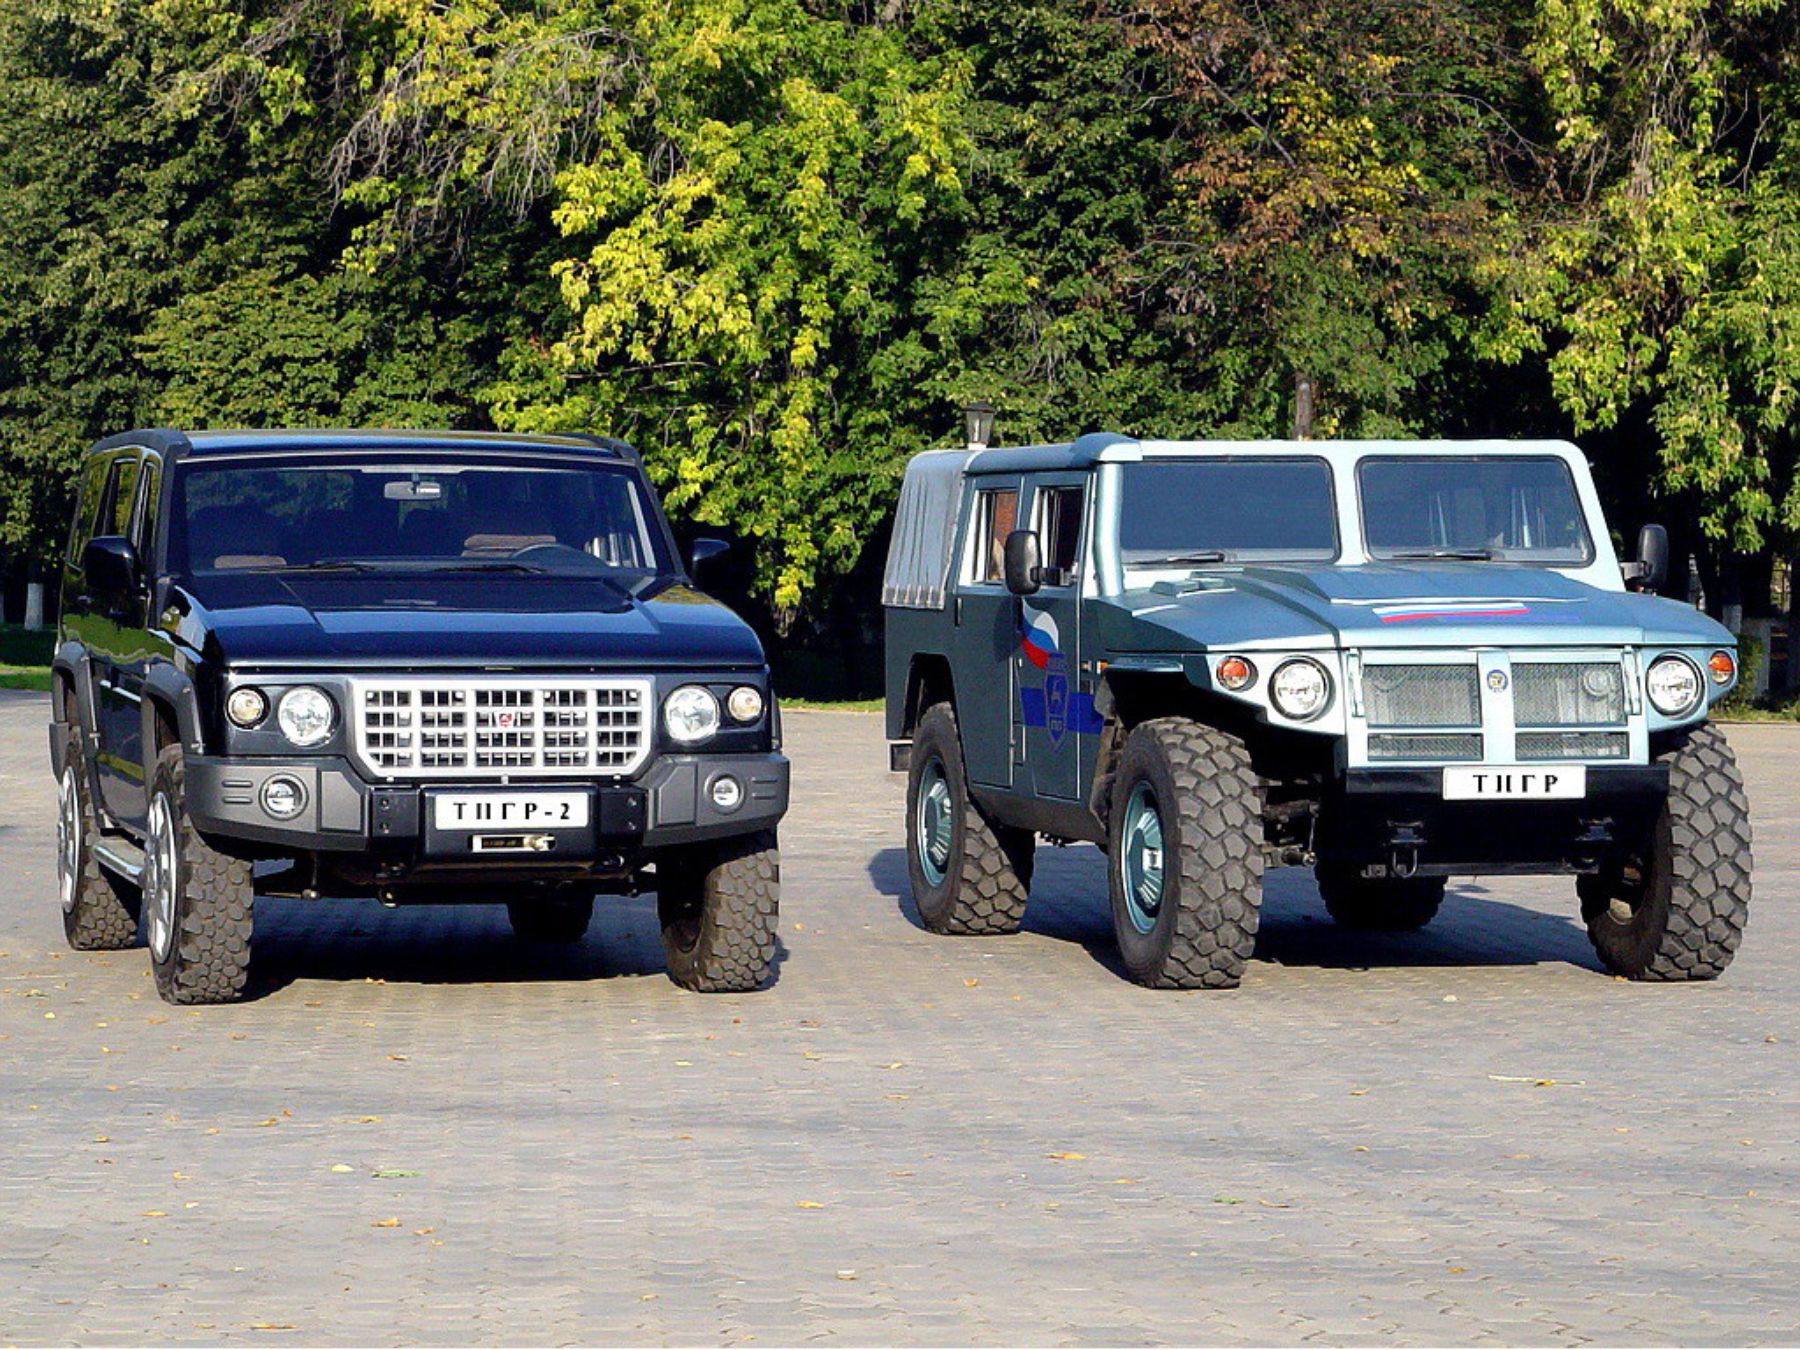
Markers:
{"x": 1303, "y": 406}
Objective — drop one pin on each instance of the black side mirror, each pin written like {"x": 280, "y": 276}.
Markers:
{"x": 1022, "y": 565}
{"x": 704, "y": 549}
{"x": 111, "y": 565}
{"x": 1651, "y": 570}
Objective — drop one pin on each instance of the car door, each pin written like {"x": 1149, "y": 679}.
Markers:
{"x": 1052, "y": 708}
{"x": 116, "y": 651}
{"x": 986, "y": 618}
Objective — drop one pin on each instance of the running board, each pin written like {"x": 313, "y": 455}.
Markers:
{"x": 127, "y": 860}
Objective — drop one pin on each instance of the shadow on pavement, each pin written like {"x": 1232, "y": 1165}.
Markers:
{"x": 448, "y": 944}
{"x": 1069, "y": 903}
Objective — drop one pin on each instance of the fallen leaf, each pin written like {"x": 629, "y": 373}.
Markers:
{"x": 271, "y": 1326}
{"x": 398, "y": 1059}
{"x": 392, "y": 1172}
{"x": 1067, "y": 1157}
{"x": 155, "y": 1214}
{"x": 385, "y": 1223}
{"x": 846, "y": 1274}
{"x": 261, "y": 1124}
{"x": 970, "y": 984}
{"x": 1273, "y": 1204}
{"x": 809, "y": 1204}
{"x": 342, "y": 1167}
{"x": 1226, "y": 1200}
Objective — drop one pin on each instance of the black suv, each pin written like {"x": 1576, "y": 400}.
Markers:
{"x": 415, "y": 666}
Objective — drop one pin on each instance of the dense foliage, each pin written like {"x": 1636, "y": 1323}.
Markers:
{"x": 777, "y": 242}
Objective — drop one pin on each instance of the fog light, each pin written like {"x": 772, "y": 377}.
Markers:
{"x": 282, "y": 797}
{"x": 247, "y": 707}
{"x": 727, "y": 793}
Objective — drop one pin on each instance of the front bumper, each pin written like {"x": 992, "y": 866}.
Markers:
{"x": 1399, "y": 818}
{"x": 669, "y": 804}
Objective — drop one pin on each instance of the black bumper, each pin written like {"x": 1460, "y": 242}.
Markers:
{"x": 669, "y": 804}
{"x": 1399, "y": 817}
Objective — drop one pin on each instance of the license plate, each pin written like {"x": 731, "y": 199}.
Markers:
{"x": 1515, "y": 783}
{"x": 506, "y": 810}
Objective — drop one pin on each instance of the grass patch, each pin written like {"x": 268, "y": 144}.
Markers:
{"x": 25, "y": 677}
{"x": 834, "y": 705}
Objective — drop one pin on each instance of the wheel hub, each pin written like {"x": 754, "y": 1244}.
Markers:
{"x": 159, "y": 877}
{"x": 1141, "y": 859}
{"x": 68, "y": 839}
{"x": 935, "y": 822}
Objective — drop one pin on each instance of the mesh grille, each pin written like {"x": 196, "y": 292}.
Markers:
{"x": 1441, "y": 746}
{"x": 1421, "y": 696}
{"x": 1573, "y": 745}
{"x": 475, "y": 728}
{"x": 1568, "y": 693}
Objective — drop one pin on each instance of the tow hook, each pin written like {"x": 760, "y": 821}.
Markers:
{"x": 1595, "y": 838}
{"x": 1403, "y": 849}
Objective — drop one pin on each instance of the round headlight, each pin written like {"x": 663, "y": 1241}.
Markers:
{"x": 1300, "y": 689}
{"x": 247, "y": 707}
{"x": 1673, "y": 685}
{"x": 745, "y": 704}
{"x": 1234, "y": 672}
{"x": 305, "y": 715}
{"x": 691, "y": 713}
{"x": 283, "y": 797}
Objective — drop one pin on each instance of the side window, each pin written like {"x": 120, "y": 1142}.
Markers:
{"x": 121, "y": 495}
{"x": 93, "y": 481}
{"x": 996, "y": 516}
{"x": 143, "y": 524}
{"x": 1058, "y": 525}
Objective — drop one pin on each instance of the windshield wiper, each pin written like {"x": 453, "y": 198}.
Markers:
{"x": 327, "y": 565}
{"x": 1205, "y": 555}
{"x": 491, "y": 565}
{"x": 1451, "y": 554}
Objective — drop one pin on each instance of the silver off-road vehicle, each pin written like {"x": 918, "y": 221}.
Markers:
{"x": 1391, "y": 662}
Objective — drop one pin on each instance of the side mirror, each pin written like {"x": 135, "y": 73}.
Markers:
{"x": 1022, "y": 565}
{"x": 1651, "y": 570}
{"x": 703, "y": 550}
{"x": 111, "y": 565}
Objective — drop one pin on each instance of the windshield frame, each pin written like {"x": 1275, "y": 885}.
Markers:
{"x": 1587, "y": 558}
{"x": 665, "y": 555}
{"x": 1273, "y": 559}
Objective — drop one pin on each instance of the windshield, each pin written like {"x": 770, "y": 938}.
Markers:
{"x": 1513, "y": 509}
{"x": 1195, "y": 511}
{"x": 395, "y": 515}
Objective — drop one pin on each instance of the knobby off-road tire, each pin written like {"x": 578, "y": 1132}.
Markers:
{"x": 99, "y": 910}
{"x": 1378, "y": 904}
{"x": 1185, "y": 856}
{"x": 198, "y": 902}
{"x": 970, "y": 874}
{"x": 718, "y": 909}
{"x": 1677, "y": 911}
{"x": 558, "y": 919}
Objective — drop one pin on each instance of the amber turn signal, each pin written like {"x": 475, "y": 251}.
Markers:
{"x": 1235, "y": 673}
{"x": 1723, "y": 666}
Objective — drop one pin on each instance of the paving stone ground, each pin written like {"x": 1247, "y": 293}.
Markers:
{"x": 1468, "y": 1135}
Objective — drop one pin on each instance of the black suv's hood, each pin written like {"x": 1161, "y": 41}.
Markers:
{"x": 494, "y": 619}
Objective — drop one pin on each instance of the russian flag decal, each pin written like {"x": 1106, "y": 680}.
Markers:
{"x": 1040, "y": 641}
{"x": 1452, "y": 609}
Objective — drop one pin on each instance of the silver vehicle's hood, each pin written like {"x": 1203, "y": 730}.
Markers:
{"x": 1389, "y": 605}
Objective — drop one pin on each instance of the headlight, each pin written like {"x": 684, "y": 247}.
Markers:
{"x": 1673, "y": 685}
{"x": 745, "y": 704}
{"x": 1300, "y": 689}
{"x": 692, "y": 714}
{"x": 305, "y": 716}
{"x": 247, "y": 707}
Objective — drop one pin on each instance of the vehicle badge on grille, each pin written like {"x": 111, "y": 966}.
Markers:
{"x": 506, "y": 719}
{"x": 1497, "y": 680}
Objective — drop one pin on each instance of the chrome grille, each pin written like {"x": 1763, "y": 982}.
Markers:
{"x": 1568, "y": 693}
{"x": 1439, "y": 745}
{"x": 1421, "y": 696}
{"x": 492, "y": 727}
{"x": 1534, "y": 745}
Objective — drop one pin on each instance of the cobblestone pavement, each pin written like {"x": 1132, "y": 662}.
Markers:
{"x": 424, "y": 1132}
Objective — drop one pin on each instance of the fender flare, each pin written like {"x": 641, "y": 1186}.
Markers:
{"x": 70, "y": 663}
{"x": 169, "y": 692}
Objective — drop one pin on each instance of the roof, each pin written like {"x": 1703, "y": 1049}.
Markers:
{"x": 199, "y": 444}
{"x": 1101, "y": 447}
